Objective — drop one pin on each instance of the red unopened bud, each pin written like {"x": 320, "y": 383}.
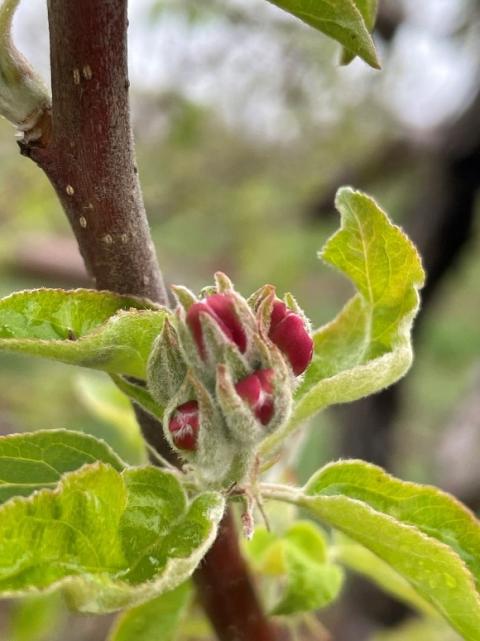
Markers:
{"x": 184, "y": 425}
{"x": 256, "y": 390}
{"x": 289, "y": 333}
{"x": 221, "y": 308}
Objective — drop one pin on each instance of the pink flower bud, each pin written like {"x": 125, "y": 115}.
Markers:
{"x": 221, "y": 308}
{"x": 184, "y": 425}
{"x": 256, "y": 390}
{"x": 290, "y": 335}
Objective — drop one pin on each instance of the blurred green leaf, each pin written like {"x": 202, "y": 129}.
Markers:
{"x": 425, "y": 535}
{"x": 312, "y": 582}
{"x": 368, "y": 346}
{"x": 139, "y": 394}
{"x": 83, "y": 327}
{"x": 110, "y": 539}
{"x": 419, "y": 630}
{"x": 36, "y": 618}
{"x": 339, "y": 19}
{"x": 29, "y": 462}
{"x": 156, "y": 620}
{"x": 106, "y": 402}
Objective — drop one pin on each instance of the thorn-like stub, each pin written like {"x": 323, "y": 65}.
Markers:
{"x": 23, "y": 95}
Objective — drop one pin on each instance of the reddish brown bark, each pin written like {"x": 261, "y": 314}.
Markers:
{"x": 86, "y": 150}
{"x": 226, "y": 591}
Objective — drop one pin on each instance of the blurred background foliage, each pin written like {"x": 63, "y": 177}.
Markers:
{"x": 245, "y": 126}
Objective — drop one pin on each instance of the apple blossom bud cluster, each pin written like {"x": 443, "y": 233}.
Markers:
{"x": 225, "y": 370}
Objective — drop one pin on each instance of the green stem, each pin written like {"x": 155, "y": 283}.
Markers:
{"x": 285, "y": 493}
{"x": 139, "y": 395}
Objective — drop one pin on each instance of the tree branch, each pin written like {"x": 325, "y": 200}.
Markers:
{"x": 86, "y": 150}
{"x": 227, "y": 594}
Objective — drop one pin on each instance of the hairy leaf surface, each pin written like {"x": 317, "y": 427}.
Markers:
{"x": 110, "y": 539}
{"x": 84, "y": 327}
{"x": 368, "y": 346}
{"x": 425, "y": 535}
{"x": 356, "y": 557}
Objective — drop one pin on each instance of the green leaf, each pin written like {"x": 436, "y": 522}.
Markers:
{"x": 31, "y": 461}
{"x": 139, "y": 395}
{"x": 110, "y": 539}
{"x": 156, "y": 620}
{"x": 368, "y": 10}
{"x": 312, "y": 582}
{"x": 339, "y": 19}
{"x": 425, "y": 535}
{"x": 265, "y": 552}
{"x": 357, "y": 558}
{"x": 368, "y": 346}
{"x": 100, "y": 330}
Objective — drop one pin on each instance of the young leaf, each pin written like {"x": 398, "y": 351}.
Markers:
{"x": 367, "y": 347}
{"x": 312, "y": 582}
{"x": 339, "y": 19}
{"x": 100, "y": 330}
{"x": 31, "y": 461}
{"x": 368, "y": 10}
{"x": 301, "y": 556}
{"x": 422, "y": 533}
{"x": 155, "y": 620}
{"x": 110, "y": 539}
